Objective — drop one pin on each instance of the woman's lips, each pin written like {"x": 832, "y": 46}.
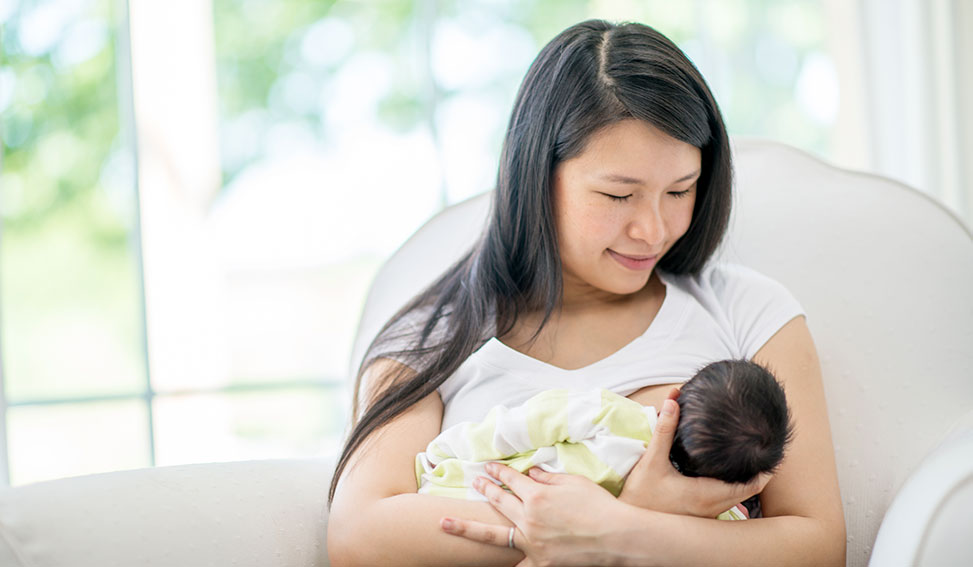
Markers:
{"x": 634, "y": 262}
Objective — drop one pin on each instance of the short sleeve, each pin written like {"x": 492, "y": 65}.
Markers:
{"x": 756, "y": 306}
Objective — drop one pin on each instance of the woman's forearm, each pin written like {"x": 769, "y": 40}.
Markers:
{"x": 648, "y": 538}
{"x": 404, "y": 530}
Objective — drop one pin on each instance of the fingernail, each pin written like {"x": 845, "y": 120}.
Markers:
{"x": 447, "y": 523}
{"x": 491, "y": 468}
{"x": 668, "y": 407}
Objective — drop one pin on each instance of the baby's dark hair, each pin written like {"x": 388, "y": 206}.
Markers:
{"x": 733, "y": 422}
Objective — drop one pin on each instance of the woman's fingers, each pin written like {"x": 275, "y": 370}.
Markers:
{"x": 478, "y": 531}
{"x": 544, "y": 477}
{"x": 520, "y": 484}
{"x": 757, "y": 485}
{"x": 740, "y": 492}
{"x": 715, "y": 496}
{"x": 554, "y": 529}
{"x": 653, "y": 483}
{"x": 665, "y": 428}
{"x": 506, "y": 503}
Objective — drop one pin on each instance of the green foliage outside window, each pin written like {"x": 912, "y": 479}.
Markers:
{"x": 68, "y": 282}
{"x": 71, "y": 323}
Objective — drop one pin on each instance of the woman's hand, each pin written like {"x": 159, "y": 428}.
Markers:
{"x": 551, "y": 527}
{"x": 655, "y": 484}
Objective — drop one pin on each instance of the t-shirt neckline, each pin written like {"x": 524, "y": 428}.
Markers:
{"x": 667, "y": 318}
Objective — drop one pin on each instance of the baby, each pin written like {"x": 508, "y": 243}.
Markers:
{"x": 734, "y": 424}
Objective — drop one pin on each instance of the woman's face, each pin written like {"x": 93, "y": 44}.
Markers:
{"x": 620, "y": 205}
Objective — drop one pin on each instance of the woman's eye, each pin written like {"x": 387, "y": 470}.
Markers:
{"x": 679, "y": 193}
{"x": 616, "y": 197}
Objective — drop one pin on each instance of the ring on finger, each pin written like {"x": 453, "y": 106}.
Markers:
{"x": 510, "y": 538}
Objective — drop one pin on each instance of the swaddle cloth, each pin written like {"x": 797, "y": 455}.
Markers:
{"x": 594, "y": 433}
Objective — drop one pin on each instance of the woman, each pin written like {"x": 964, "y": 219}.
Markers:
{"x": 613, "y": 193}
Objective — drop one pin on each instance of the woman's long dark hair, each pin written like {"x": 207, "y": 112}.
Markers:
{"x": 592, "y": 75}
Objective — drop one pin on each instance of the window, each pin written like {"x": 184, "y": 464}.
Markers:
{"x": 70, "y": 291}
{"x": 195, "y": 195}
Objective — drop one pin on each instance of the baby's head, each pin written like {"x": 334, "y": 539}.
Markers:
{"x": 733, "y": 422}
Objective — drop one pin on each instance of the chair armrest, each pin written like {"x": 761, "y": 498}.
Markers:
{"x": 929, "y": 520}
{"x": 252, "y": 513}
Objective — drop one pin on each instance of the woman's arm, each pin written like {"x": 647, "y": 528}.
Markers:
{"x": 803, "y": 521}
{"x": 378, "y": 519}
{"x": 806, "y": 483}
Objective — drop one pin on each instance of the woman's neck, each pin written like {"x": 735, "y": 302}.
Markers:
{"x": 591, "y": 305}
{"x": 589, "y": 329}
{"x": 580, "y": 297}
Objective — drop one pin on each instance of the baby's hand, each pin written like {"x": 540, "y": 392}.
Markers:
{"x": 655, "y": 484}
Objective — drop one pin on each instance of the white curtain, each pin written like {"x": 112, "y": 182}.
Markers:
{"x": 906, "y": 72}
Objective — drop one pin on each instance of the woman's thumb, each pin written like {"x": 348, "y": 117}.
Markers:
{"x": 542, "y": 476}
{"x": 665, "y": 427}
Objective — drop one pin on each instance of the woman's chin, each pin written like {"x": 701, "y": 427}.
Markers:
{"x": 629, "y": 285}
{"x": 610, "y": 280}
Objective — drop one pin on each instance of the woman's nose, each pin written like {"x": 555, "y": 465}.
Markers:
{"x": 648, "y": 226}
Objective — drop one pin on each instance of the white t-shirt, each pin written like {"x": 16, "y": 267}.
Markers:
{"x": 727, "y": 312}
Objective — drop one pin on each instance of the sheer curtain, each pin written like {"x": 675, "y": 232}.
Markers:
{"x": 906, "y": 70}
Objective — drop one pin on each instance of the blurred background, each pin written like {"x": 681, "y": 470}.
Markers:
{"x": 194, "y": 195}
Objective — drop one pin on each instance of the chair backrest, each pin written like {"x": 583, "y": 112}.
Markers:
{"x": 884, "y": 273}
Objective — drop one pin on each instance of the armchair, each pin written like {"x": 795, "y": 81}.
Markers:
{"x": 884, "y": 273}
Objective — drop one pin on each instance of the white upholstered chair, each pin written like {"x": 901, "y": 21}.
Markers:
{"x": 886, "y": 277}
{"x": 884, "y": 273}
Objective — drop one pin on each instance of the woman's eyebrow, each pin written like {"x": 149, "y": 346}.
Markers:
{"x": 624, "y": 179}
{"x": 687, "y": 177}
